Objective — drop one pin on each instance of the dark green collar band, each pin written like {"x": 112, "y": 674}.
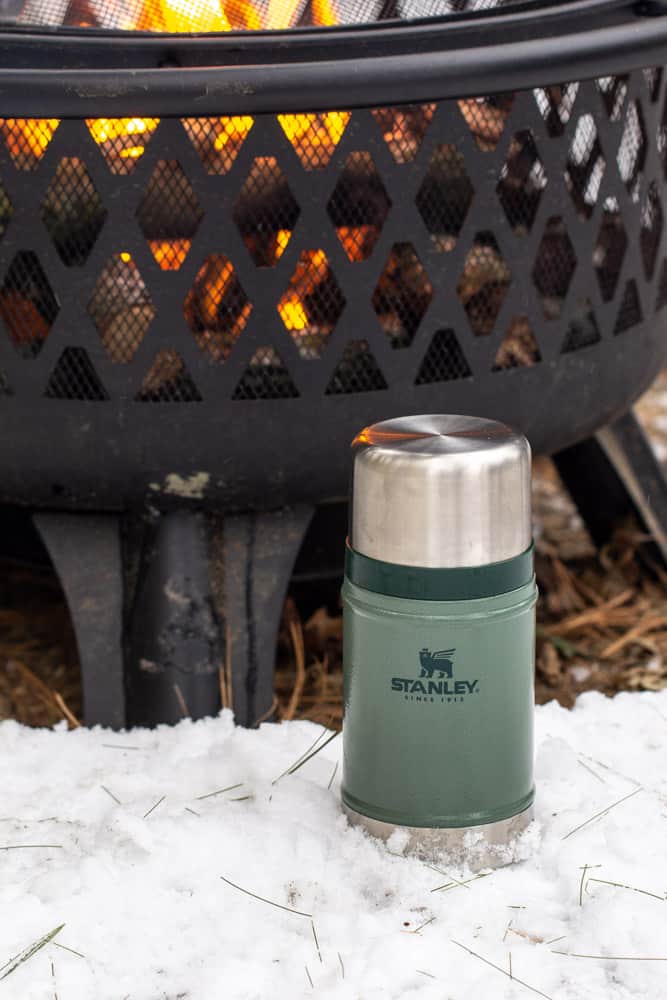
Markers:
{"x": 463, "y": 583}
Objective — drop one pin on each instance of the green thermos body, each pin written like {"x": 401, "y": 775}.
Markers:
{"x": 439, "y": 638}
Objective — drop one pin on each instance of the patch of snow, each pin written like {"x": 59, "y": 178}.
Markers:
{"x": 138, "y": 884}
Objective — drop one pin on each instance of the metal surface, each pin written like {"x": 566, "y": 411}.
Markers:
{"x": 175, "y": 640}
{"x": 490, "y": 845}
{"x": 86, "y": 553}
{"x": 620, "y": 465}
{"x": 510, "y": 261}
{"x": 441, "y": 491}
{"x": 473, "y": 54}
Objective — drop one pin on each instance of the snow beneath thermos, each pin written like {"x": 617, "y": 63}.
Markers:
{"x": 119, "y": 837}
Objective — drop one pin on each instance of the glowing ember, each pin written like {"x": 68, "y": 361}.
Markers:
{"x": 170, "y": 254}
{"x": 122, "y": 141}
{"x": 315, "y": 137}
{"x": 27, "y": 139}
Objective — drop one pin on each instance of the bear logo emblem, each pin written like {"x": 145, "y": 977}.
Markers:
{"x": 440, "y": 661}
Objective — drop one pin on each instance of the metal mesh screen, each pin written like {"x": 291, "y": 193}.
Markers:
{"x": 222, "y": 261}
{"x": 173, "y": 16}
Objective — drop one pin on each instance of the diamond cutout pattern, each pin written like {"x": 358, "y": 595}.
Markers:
{"x": 121, "y": 308}
{"x": 613, "y": 90}
{"x": 522, "y": 181}
{"x": 312, "y": 304}
{"x": 266, "y": 212}
{"x": 583, "y": 330}
{"x": 403, "y": 128}
{"x": 631, "y": 155}
{"x": 27, "y": 304}
{"x": 266, "y": 377}
{"x": 359, "y": 206}
{"x": 483, "y": 284}
{"x": 27, "y": 139}
{"x": 216, "y": 308}
{"x": 357, "y": 371}
{"x": 402, "y": 295}
{"x": 610, "y": 248}
{"x": 630, "y": 312}
{"x": 554, "y": 267}
{"x": 519, "y": 348}
{"x": 168, "y": 381}
{"x": 74, "y": 377}
{"x": 169, "y": 214}
{"x": 445, "y": 196}
{"x": 218, "y": 141}
{"x": 555, "y": 105}
{"x": 444, "y": 361}
{"x": 6, "y": 211}
{"x": 552, "y": 155}
{"x": 653, "y": 80}
{"x": 650, "y": 234}
{"x": 585, "y": 166}
{"x": 486, "y": 118}
{"x": 122, "y": 141}
{"x": 72, "y": 212}
{"x": 315, "y": 137}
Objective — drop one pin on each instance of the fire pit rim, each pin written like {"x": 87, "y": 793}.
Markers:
{"x": 74, "y": 75}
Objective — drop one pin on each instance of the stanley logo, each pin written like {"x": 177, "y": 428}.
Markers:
{"x": 436, "y": 679}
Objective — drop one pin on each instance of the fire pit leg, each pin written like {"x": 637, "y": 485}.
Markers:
{"x": 259, "y": 553}
{"x": 613, "y": 474}
{"x": 86, "y": 553}
{"x": 175, "y": 636}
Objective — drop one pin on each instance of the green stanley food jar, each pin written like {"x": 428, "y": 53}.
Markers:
{"x": 439, "y": 638}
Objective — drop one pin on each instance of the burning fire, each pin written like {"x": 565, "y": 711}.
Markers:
{"x": 216, "y": 308}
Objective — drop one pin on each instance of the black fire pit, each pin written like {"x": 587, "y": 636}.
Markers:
{"x": 222, "y": 254}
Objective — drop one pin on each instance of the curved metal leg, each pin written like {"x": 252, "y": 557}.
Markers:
{"x": 613, "y": 474}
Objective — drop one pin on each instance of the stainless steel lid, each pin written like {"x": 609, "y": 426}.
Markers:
{"x": 440, "y": 491}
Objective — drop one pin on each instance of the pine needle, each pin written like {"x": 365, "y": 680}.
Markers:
{"x": 24, "y": 956}
{"x": 603, "y": 812}
{"x": 182, "y": 704}
{"x": 64, "y": 947}
{"x": 309, "y": 979}
{"x": 454, "y": 884}
{"x": 153, "y": 808}
{"x": 30, "y": 847}
{"x": 188, "y": 809}
{"x": 429, "y": 974}
{"x": 499, "y": 968}
{"x": 591, "y": 771}
{"x": 422, "y": 926}
{"x": 317, "y": 943}
{"x": 303, "y": 756}
{"x": 333, "y": 775}
{"x": 263, "y": 899}
{"x": 296, "y": 635}
{"x": 118, "y": 746}
{"x": 632, "y": 888}
{"x": 612, "y": 958}
{"x": 585, "y": 869}
{"x": 306, "y": 757}
{"x": 342, "y": 967}
{"x": 220, "y": 791}
{"x": 111, "y": 795}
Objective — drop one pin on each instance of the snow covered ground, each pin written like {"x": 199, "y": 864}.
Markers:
{"x": 137, "y": 852}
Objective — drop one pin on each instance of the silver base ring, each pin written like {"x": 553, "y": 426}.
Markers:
{"x": 489, "y": 845}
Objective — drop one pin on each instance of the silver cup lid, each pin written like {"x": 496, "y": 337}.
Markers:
{"x": 440, "y": 491}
